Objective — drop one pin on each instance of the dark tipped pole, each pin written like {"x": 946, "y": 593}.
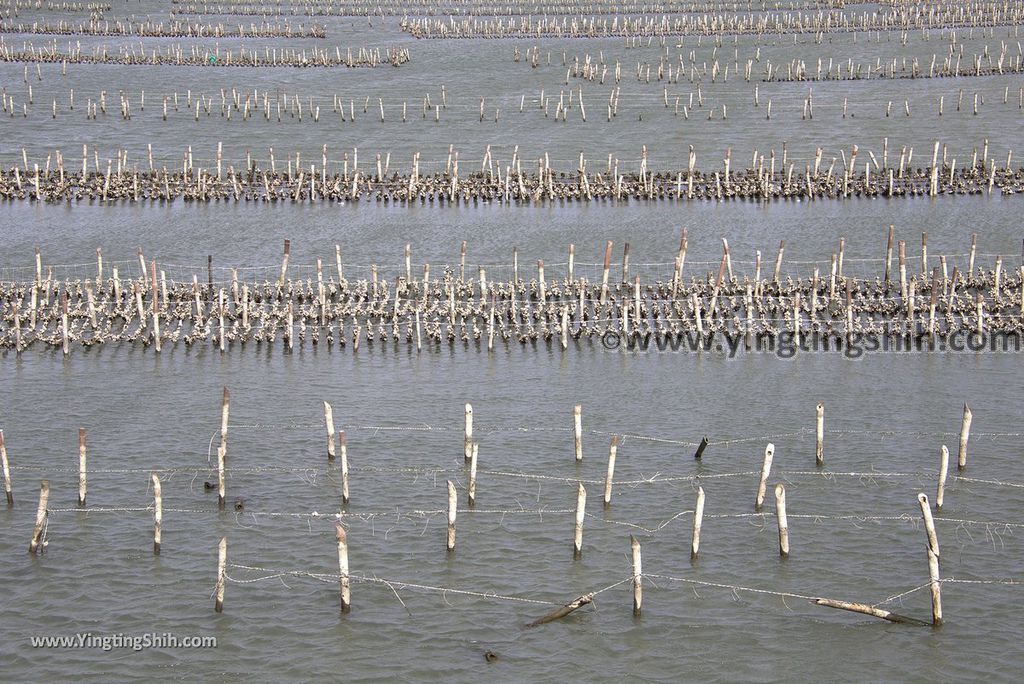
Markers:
{"x": 700, "y": 449}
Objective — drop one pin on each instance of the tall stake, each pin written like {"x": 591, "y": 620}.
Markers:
{"x": 339, "y": 534}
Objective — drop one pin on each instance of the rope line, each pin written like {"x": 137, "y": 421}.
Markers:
{"x": 421, "y": 514}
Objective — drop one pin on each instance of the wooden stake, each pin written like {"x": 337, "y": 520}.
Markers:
{"x": 329, "y": 420}
{"x": 82, "y": 482}
{"x": 701, "y": 447}
{"x": 346, "y": 598}
{"x": 766, "y": 468}
{"x": 64, "y": 332}
{"x": 41, "y": 514}
{"x": 158, "y": 513}
{"x": 221, "y": 457}
{"x": 929, "y": 524}
{"x": 698, "y": 519}
{"x": 222, "y": 571}
{"x": 888, "y": 254}
{"x": 581, "y": 505}
{"x": 284, "y": 262}
{"x": 965, "y": 433}
{"x": 612, "y": 449}
{"x": 563, "y": 611}
{"x": 7, "y": 471}
{"x": 471, "y": 497}
{"x": 224, "y": 410}
{"x": 819, "y": 449}
{"x": 780, "y": 515}
{"x": 604, "y": 272}
{"x": 933, "y": 560}
{"x": 467, "y": 441}
{"x": 343, "y": 444}
{"x": 778, "y": 260}
{"x": 868, "y": 610}
{"x": 452, "y": 503}
{"x": 943, "y": 469}
{"x": 577, "y": 420}
{"x": 638, "y": 590}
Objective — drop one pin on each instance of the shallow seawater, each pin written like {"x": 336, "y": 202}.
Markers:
{"x": 738, "y": 613}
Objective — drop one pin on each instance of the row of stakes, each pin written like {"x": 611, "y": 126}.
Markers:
{"x": 336, "y": 445}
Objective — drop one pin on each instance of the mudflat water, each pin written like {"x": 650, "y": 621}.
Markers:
{"x": 418, "y": 613}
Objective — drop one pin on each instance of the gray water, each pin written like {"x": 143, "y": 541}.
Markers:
{"x": 855, "y": 535}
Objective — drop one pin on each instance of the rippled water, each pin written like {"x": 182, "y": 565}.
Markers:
{"x": 854, "y": 526}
